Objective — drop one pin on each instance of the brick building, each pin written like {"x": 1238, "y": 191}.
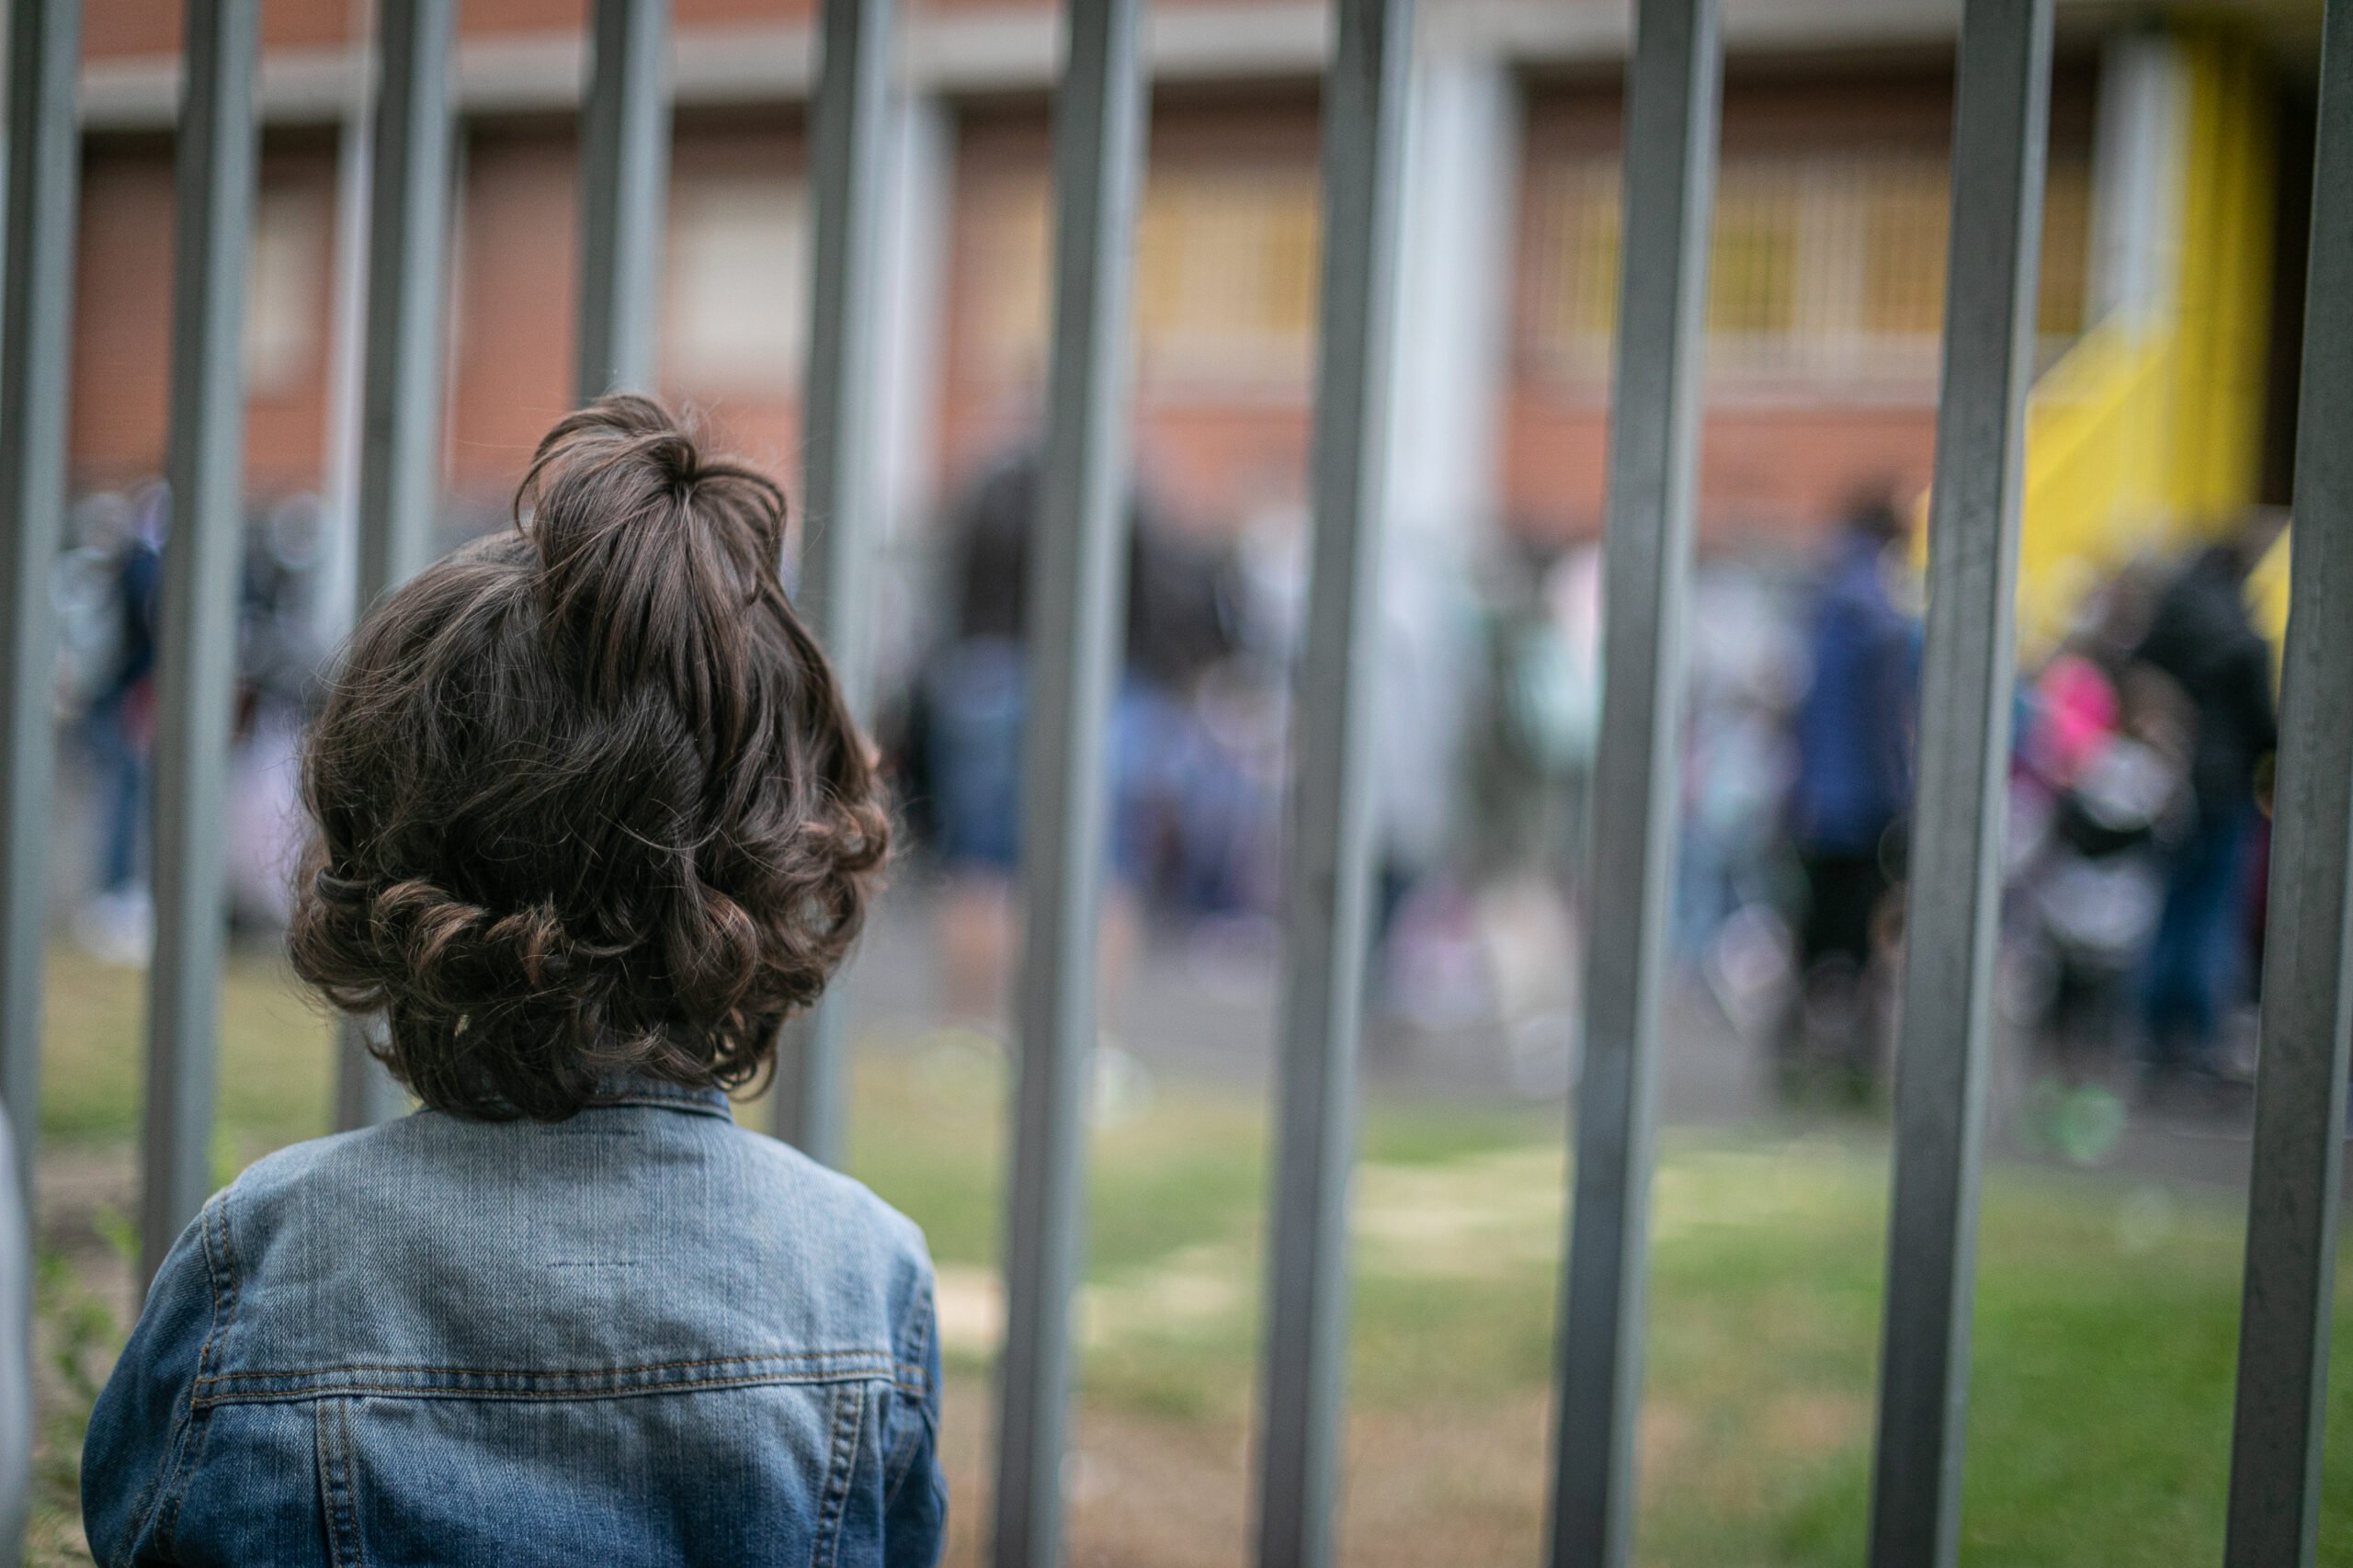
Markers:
{"x": 1829, "y": 248}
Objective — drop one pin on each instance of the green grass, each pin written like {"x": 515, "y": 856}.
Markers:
{"x": 2103, "y": 1334}
{"x": 277, "y": 1070}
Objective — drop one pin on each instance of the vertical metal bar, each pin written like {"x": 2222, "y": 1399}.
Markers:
{"x": 2001, "y": 110}
{"x": 337, "y": 558}
{"x": 408, "y": 233}
{"x": 1077, "y": 599}
{"x": 36, "y": 327}
{"x": 197, "y": 626}
{"x": 400, "y": 471}
{"x": 839, "y": 520}
{"x": 2307, "y": 1030}
{"x": 1331, "y": 870}
{"x": 44, "y": 160}
{"x": 624, "y": 192}
{"x": 1673, "y": 89}
{"x": 15, "y": 1349}
{"x": 362, "y": 1093}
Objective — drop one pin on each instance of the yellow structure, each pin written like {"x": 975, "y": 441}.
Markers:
{"x": 2266, "y": 592}
{"x": 2146, "y": 433}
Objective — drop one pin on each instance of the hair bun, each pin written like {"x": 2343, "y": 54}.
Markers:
{"x": 650, "y": 551}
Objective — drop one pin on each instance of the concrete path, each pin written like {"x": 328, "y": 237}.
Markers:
{"x": 1199, "y": 1005}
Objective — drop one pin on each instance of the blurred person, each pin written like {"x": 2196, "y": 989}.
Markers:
{"x": 973, "y": 700}
{"x": 84, "y": 587}
{"x": 2204, "y": 640}
{"x": 1530, "y": 751}
{"x": 969, "y": 713}
{"x": 1745, "y": 662}
{"x": 2108, "y": 754}
{"x": 1850, "y": 794}
{"x": 1222, "y": 852}
{"x": 592, "y": 819}
{"x": 1440, "y": 958}
{"x": 116, "y": 923}
{"x": 1532, "y": 704}
{"x": 1226, "y": 807}
{"x": 279, "y": 661}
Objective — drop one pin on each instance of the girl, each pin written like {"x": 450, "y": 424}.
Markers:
{"x": 591, "y": 820}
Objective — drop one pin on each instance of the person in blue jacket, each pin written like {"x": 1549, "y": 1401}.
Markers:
{"x": 1852, "y": 791}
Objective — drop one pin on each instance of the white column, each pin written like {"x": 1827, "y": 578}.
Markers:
{"x": 2138, "y": 147}
{"x": 1455, "y": 289}
{"x": 1444, "y": 484}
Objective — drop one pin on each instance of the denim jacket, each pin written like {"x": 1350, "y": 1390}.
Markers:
{"x": 641, "y": 1336}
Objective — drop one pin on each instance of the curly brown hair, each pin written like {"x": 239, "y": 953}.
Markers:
{"x": 588, "y": 801}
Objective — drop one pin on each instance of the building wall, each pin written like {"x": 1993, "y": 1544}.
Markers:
{"x": 1225, "y": 287}
{"x": 116, "y": 28}
{"x": 734, "y": 288}
{"x": 122, "y": 327}
{"x": 122, "y": 315}
{"x": 1812, "y": 395}
{"x": 517, "y": 286}
{"x": 1827, "y": 291}
{"x": 1801, "y": 419}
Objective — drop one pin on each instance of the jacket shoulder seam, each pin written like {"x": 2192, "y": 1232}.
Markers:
{"x": 580, "y": 1374}
{"x": 536, "y": 1395}
{"x": 186, "y": 1445}
{"x": 920, "y": 1394}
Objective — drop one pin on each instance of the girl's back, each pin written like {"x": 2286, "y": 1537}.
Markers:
{"x": 591, "y": 820}
{"x": 643, "y": 1335}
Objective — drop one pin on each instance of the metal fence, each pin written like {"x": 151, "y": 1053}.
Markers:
{"x": 1670, "y": 154}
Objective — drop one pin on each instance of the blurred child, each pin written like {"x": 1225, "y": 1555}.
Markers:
{"x": 2091, "y": 887}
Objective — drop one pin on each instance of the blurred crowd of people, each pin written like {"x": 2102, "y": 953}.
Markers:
{"x": 108, "y": 592}
{"x": 2134, "y": 856}
{"x": 2137, "y": 828}
{"x": 2135, "y": 839}
{"x": 2141, "y": 837}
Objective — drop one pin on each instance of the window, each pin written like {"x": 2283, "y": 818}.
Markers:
{"x": 1225, "y": 279}
{"x": 1761, "y": 229}
{"x": 1572, "y": 226}
{"x": 1905, "y": 221}
{"x": 285, "y": 289}
{"x": 1011, "y": 264}
{"x": 1828, "y": 266}
{"x": 737, "y": 289}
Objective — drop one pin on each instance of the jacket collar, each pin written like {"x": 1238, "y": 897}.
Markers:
{"x": 636, "y": 1089}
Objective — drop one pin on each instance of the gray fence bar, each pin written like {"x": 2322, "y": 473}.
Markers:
{"x": 2307, "y": 1026}
{"x": 850, "y": 129}
{"x": 400, "y": 474}
{"x": 35, "y": 325}
{"x": 2001, "y": 110}
{"x": 1077, "y": 601}
{"x": 1673, "y": 89}
{"x": 1331, "y": 805}
{"x": 204, "y": 464}
{"x": 624, "y": 193}
{"x": 408, "y": 239}
{"x": 15, "y": 1349}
